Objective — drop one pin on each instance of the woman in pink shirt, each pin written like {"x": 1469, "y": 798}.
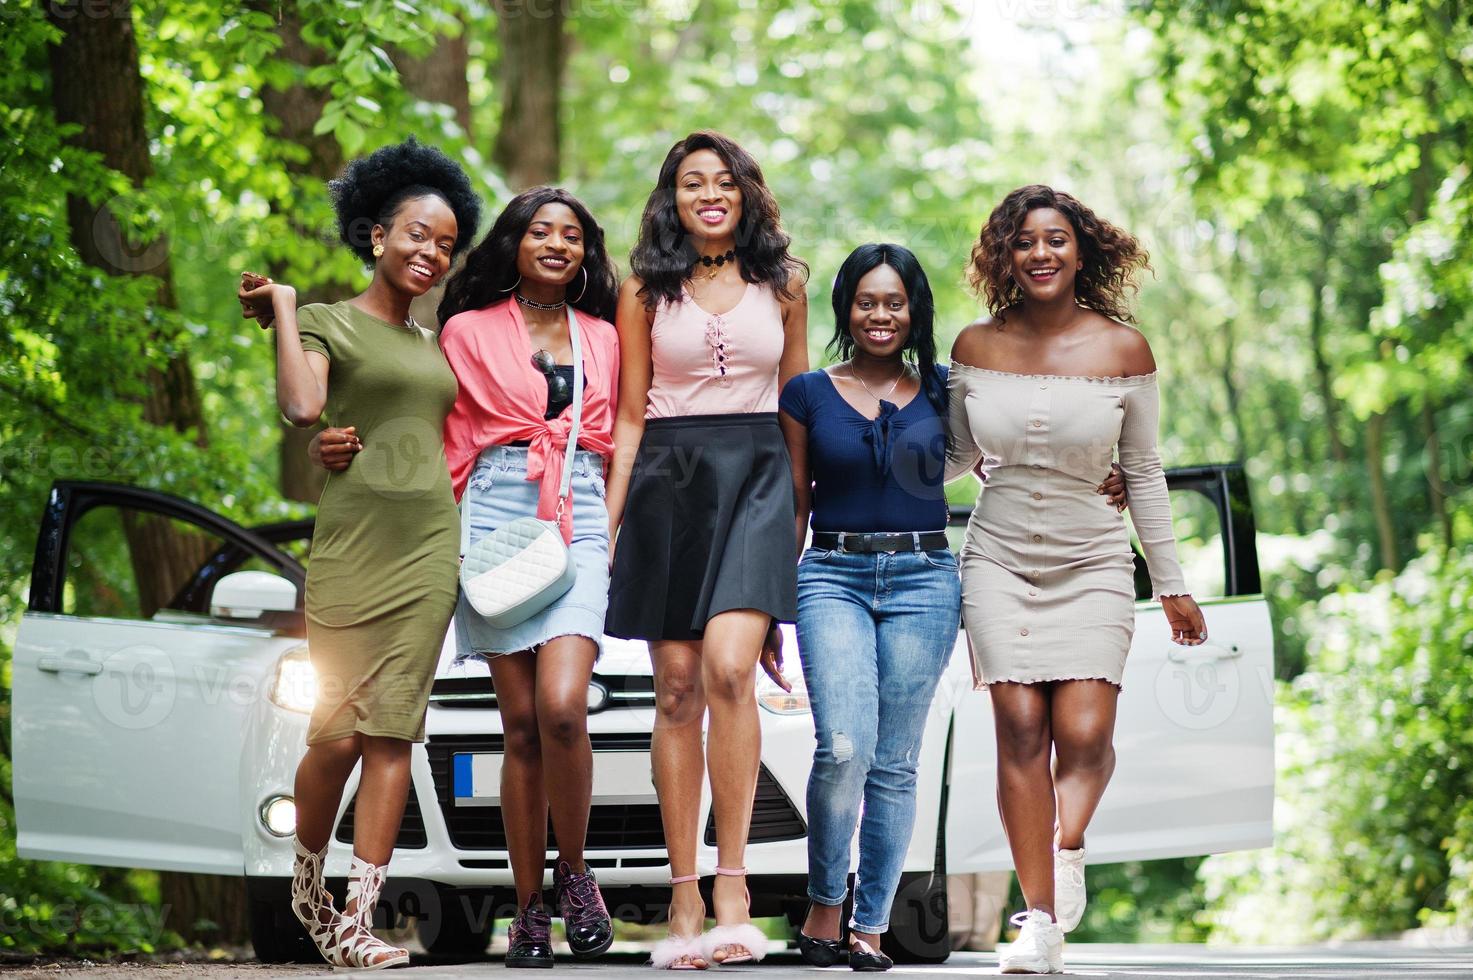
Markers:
{"x": 711, "y": 325}
{"x": 505, "y": 334}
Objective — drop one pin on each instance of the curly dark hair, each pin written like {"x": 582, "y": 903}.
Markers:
{"x": 663, "y": 256}
{"x": 921, "y": 343}
{"x": 490, "y": 271}
{"x": 1112, "y": 256}
{"x": 371, "y": 190}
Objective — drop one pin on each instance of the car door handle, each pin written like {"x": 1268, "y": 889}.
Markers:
{"x": 69, "y": 663}
{"x": 1177, "y": 653}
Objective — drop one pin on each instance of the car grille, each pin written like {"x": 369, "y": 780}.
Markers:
{"x": 610, "y": 826}
{"x": 411, "y": 828}
{"x": 774, "y": 817}
{"x": 624, "y": 691}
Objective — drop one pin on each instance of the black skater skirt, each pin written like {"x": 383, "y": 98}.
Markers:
{"x": 707, "y": 528}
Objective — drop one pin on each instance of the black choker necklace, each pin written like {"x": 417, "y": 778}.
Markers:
{"x": 541, "y": 306}
{"x": 718, "y": 260}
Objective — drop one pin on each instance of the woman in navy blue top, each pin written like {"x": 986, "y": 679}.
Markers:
{"x": 879, "y": 598}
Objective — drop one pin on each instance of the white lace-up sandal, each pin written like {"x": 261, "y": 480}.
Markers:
{"x": 312, "y": 903}
{"x": 359, "y": 948}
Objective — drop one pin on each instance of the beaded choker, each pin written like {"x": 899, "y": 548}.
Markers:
{"x": 540, "y": 306}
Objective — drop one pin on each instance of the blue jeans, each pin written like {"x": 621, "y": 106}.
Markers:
{"x": 875, "y": 632}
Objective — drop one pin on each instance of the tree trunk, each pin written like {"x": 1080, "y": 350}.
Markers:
{"x": 296, "y": 110}
{"x": 1436, "y": 490}
{"x": 533, "y": 52}
{"x": 1318, "y": 282}
{"x": 440, "y": 76}
{"x": 208, "y": 909}
{"x": 1235, "y": 409}
{"x": 1380, "y": 499}
{"x": 96, "y": 84}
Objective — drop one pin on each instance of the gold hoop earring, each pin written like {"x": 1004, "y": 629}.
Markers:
{"x": 378, "y": 251}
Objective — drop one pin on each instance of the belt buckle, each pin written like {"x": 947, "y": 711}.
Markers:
{"x": 841, "y": 547}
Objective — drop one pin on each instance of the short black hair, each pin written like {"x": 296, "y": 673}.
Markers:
{"x": 921, "y": 343}
{"x": 371, "y": 190}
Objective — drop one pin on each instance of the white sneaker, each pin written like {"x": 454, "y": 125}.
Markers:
{"x": 1069, "y": 894}
{"x": 1039, "y": 947}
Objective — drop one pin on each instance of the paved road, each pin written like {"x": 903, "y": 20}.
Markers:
{"x": 1117, "y": 962}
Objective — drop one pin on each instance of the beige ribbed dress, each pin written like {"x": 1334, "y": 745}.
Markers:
{"x": 1047, "y": 571}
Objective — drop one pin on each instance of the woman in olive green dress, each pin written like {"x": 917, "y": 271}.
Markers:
{"x": 381, "y": 582}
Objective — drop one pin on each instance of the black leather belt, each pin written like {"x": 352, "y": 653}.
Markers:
{"x": 873, "y": 541}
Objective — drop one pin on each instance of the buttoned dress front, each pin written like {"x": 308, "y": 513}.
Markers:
{"x": 1048, "y": 587}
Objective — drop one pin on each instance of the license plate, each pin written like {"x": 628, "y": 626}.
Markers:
{"x": 618, "y": 777}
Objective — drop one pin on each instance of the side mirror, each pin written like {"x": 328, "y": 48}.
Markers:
{"x": 249, "y": 595}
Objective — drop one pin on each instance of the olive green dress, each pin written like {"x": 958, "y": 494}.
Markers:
{"x": 381, "y": 582}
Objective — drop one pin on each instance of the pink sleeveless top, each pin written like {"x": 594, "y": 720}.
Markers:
{"x": 716, "y": 365}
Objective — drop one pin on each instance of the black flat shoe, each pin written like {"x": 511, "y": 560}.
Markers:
{"x": 529, "y": 940}
{"x": 819, "y": 952}
{"x": 586, "y": 922}
{"x": 864, "y": 958}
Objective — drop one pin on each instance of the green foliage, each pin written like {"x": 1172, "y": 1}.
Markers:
{"x": 1374, "y": 822}
{"x": 1139, "y": 902}
{"x": 1297, "y": 169}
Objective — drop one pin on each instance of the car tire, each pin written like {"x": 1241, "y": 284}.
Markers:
{"x": 920, "y": 931}
{"x": 277, "y": 936}
{"x": 462, "y": 929}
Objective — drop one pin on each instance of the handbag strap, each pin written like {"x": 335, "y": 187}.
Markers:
{"x": 573, "y": 335}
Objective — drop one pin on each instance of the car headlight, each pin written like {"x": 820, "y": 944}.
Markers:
{"x": 279, "y": 816}
{"x": 295, "y": 685}
{"x": 781, "y": 702}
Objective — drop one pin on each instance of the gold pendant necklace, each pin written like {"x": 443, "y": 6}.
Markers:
{"x": 853, "y": 376}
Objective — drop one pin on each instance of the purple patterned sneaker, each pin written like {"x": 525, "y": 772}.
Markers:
{"x": 585, "y": 919}
{"x": 529, "y": 940}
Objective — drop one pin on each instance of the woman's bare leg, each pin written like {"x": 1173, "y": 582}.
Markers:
{"x": 523, "y": 797}
{"x": 1025, "y": 786}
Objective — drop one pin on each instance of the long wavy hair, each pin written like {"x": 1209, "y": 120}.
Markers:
{"x": 920, "y": 345}
{"x": 1112, "y": 256}
{"x": 490, "y": 270}
{"x": 664, "y": 254}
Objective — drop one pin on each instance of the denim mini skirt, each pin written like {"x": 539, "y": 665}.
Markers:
{"x": 499, "y": 492}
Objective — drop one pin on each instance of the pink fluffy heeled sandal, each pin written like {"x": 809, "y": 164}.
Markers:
{"x": 744, "y": 935}
{"x": 680, "y": 952}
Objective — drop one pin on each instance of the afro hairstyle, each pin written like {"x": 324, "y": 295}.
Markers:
{"x": 372, "y": 189}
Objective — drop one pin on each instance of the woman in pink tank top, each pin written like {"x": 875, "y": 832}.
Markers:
{"x": 711, "y": 325}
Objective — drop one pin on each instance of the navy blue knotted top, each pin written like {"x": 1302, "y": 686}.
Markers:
{"x": 882, "y": 474}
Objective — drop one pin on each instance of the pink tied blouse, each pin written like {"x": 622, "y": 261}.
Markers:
{"x": 716, "y": 364}
{"x": 503, "y": 398}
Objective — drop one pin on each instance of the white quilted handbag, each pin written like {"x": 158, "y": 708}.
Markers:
{"x": 522, "y": 567}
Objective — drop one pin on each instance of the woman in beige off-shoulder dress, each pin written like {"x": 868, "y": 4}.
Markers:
{"x": 1042, "y": 396}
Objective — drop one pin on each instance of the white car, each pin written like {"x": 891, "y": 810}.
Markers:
{"x": 160, "y": 707}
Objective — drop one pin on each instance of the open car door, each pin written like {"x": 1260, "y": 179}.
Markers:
{"x": 1194, "y": 733}
{"x": 132, "y": 686}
